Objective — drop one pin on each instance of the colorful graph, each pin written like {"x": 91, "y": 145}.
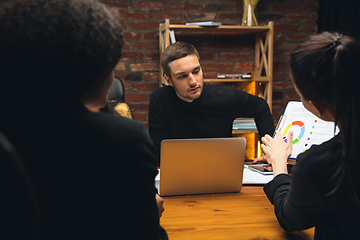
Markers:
{"x": 301, "y": 134}
{"x": 308, "y": 130}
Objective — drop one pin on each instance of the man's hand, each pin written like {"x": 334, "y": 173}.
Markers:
{"x": 262, "y": 159}
{"x": 160, "y": 204}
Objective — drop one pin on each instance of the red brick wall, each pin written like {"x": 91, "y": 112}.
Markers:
{"x": 294, "y": 20}
{"x": 139, "y": 67}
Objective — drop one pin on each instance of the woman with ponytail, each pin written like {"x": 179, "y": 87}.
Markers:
{"x": 324, "y": 188}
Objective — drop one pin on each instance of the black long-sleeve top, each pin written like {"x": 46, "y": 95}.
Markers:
{"x": 302, "y": 200}
{"x": 94, "y": 172}
{"x": 209, "y": 116}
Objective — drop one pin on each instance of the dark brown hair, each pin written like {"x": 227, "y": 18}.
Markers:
{"x": 176, "y": 51}
{"x": 325, "y": 68}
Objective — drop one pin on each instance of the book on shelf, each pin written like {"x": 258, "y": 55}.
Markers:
{"x": 244, "y": 124}
{"x": 205, "y": 24}
{"x": 172, "y": 36}
{"x": 238, "y": 75}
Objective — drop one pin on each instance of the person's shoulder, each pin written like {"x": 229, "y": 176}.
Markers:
{"x": 162, "y": 91}
{"x": 223, "y": 93}
{"x": 223, "y": 90}
{"x": 162, "y": 97}
{"x": 211, "y": 87}
{"x": 230, "y": 94}
{"x": 318, "y": 164}
{"x": 118, "y": 122}
{"x": 319, "y": 155}
{"x": 111, "y": 127}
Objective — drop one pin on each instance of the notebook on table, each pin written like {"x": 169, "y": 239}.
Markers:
{"x": 201, "y": 166}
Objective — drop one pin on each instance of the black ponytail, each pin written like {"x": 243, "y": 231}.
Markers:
{"x": 347, "y": 107}
{"x": 325, "y": 68}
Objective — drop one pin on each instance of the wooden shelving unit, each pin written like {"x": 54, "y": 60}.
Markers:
{"x": 263, "y": 72}
{"x": 264, "y": 37}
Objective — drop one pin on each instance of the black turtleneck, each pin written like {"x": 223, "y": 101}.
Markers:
{"x": 209, "y": 116}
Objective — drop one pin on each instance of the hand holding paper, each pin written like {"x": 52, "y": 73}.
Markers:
{"x": 278, "y": 151}
{"x": 307, "y": 128}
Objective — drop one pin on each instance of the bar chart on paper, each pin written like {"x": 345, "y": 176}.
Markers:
{"x": 307, "y": 128}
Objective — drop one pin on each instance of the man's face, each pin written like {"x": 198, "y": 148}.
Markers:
{"x": 186, "y": 78}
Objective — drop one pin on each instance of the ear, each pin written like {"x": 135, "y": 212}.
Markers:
{"x": 168, "y": 80}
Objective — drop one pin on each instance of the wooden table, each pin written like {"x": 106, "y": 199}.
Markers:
{"x": 244, "y": 215}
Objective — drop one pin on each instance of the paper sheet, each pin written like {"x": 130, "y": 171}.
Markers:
{"x": 308, "y": 129}
{"x": 157, "y": 181}
{"x": 252, "y": 177}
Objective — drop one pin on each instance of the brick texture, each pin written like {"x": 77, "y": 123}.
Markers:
{"x": 139, "y": 67}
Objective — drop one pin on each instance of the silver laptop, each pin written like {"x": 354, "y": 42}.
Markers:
{"x": 201, "y": 166}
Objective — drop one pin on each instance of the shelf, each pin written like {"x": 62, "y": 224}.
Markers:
{"x": 219, "y": 29}
{"x": 216, "y": 80}
{"x": 238, "y": 80}
{"x": 263, "y": 54}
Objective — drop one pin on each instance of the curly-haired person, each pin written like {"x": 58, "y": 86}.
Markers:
{"x": 93, "y": 172}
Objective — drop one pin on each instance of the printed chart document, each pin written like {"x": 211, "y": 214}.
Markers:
{"x": 307, "y": 128}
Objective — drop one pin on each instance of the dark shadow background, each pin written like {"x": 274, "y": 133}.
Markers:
{"x": 341, "y": 16}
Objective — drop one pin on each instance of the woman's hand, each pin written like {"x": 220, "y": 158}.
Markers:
{"x": 278, "y": 151}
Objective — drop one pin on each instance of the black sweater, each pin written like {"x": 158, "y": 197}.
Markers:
{"x": 94, "y": 172}
{"x": 301, "y": 201}
{"x": 209, "y": 116}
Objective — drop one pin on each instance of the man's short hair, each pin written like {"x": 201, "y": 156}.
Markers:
{"x": 174, "y": 52}
{"x": 56, "y": 48}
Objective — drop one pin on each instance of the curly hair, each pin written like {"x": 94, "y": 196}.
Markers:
{"x": 56, "y": 48}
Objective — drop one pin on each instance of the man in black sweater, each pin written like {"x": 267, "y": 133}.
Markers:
{"x": 189, "y": 108}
